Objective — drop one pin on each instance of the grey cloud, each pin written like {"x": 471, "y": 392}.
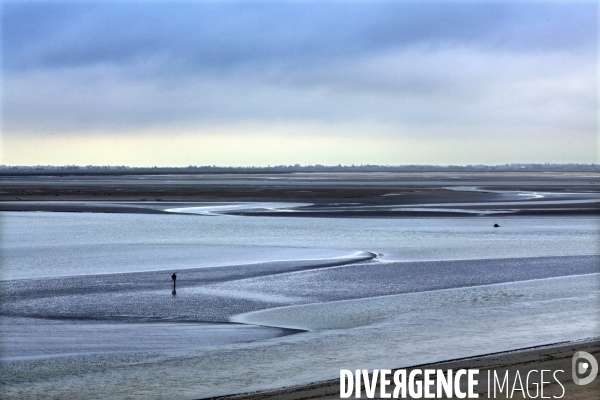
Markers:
{"x": 86, "y": 67}
{"x": 214, "y": 36}
{"x": 406, "y": 87}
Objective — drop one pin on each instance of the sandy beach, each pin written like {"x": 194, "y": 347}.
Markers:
{"x": 552, "y": 357}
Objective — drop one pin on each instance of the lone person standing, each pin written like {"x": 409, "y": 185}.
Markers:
{"x": 174, "y": 277}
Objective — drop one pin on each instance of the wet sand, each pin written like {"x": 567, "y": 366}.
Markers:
{"x": 553, "y": 357}
{"x": 360, "y": 195}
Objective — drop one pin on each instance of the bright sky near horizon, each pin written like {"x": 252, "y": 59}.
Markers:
{"x": 177, "y": 83}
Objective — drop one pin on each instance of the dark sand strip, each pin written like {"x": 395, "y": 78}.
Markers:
{"x": 322, "y": 210}
{"x": 89, "y": 207}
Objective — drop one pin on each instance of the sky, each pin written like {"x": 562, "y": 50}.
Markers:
{"x": 257, "y": 83}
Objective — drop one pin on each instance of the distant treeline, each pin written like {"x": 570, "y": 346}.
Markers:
{"x": 192, "y": 169}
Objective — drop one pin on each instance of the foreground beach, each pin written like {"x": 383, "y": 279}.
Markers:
{"x": 552, "y": 358}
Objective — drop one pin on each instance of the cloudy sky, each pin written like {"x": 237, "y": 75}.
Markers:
{"x": 179, "y": 83}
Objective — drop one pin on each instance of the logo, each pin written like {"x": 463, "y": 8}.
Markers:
{"x": 428, "y": 383}
{"x": 585, "y": 368}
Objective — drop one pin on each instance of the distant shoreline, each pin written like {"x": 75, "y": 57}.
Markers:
{"x": 115, "y": 170}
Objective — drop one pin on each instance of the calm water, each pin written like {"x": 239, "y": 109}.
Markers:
{"x": 54, "y": 244}
{"x": 80, "y": 290}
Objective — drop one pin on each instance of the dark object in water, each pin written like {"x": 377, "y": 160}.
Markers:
{"x": 174, "y": 277}
{"x": 495, "y": 226}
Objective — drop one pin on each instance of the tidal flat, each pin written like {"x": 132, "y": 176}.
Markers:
{"x": 284, "y": 279}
